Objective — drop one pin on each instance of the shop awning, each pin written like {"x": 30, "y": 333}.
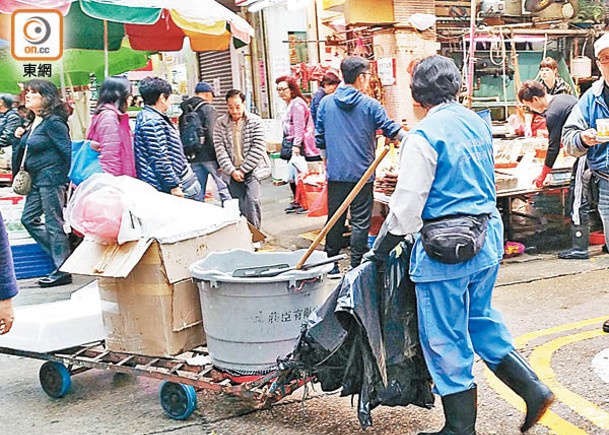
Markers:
{"x": 208, "y": 24}
{"x": 77, "y": 65}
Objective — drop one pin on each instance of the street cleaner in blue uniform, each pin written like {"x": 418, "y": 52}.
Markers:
{"x": 446, "y": 193}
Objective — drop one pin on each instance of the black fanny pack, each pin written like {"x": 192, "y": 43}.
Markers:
{"x": 454, "y": 239}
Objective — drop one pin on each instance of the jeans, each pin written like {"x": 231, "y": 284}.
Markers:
{"x": 361, "y": 212}
{"x": 203, "y": 170}
{"x": 248, "y": 194}
{"x": 48, "y": 201}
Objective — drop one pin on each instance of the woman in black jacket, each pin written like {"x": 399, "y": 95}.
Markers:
{"x": 47, "y": 148}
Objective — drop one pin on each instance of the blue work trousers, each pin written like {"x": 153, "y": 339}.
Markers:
{"x": 456, "y": 319}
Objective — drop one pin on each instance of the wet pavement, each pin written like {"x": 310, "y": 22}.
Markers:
{"x": 554, "y": 309}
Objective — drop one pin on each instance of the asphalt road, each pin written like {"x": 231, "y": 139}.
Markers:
{"x": 554, "y": 309}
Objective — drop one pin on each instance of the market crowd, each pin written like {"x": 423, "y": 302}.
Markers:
{"x": 439, "y": 192}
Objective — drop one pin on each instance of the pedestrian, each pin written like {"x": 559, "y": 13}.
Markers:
{"x": 197, "y": 133}
{"x": 327, "y": 86}
{"x": 9, "y": 121}
{"x": 446, "y": 185}
{"x": 550, "y": 79}
{"x": 298, "y": 135}
{"x": 110, "y": 128}
{"x": 346, "y": 127}
{"x": 241, "y": 150}
{"x": 556, "y": 109}
{"x": 8, "y": 282}
{"x": 159, "y": 155}
{"x": 46, "y": 150}
{"x": 580, "y": 133}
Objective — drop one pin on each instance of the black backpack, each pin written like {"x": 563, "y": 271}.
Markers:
{"x": 192, "y": 132}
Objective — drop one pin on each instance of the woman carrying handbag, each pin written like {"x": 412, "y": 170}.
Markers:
{"x": 45, "y": 149}
{"x": 298, "y": 145}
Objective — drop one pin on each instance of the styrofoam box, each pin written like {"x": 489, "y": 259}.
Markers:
{"x": 57, "y": 325}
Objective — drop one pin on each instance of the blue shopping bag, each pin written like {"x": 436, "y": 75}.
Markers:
{"x": 85, "y": 161}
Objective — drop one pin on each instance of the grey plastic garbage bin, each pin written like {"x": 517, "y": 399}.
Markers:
{"x": 249, "y": 322}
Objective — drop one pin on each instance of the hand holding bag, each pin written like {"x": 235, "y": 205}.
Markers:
{"x": 22, "y": 183}
{"x": 454, "y": 239}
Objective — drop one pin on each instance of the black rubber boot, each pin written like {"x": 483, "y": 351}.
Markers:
{"x": 515, "y": 372}
{"x": 580, "y": 237}
{"x": 460, "y": 412}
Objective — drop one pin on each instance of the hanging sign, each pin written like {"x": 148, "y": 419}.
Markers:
{"x": 386, "y": 70}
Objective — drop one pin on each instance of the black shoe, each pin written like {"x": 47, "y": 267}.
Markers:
{"x": 606, "y": 326}
{"x": 55, "y": 279}
{"x": 515, "y": 372}
{"x": 302, "y": 210}
{"x": 292, "y": 207}
{"x": 460, "y": 411}
{"x": 335, "y": 272}
{"x": 573, "y": 254}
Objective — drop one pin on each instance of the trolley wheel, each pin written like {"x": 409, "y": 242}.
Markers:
{"x": 178, "y": 400}
{"x": 55, "y": 379}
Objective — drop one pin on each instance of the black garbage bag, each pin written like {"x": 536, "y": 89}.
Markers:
{"x": 364, "y": 340}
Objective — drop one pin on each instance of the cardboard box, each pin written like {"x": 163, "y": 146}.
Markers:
{"x": 150, "y": 306}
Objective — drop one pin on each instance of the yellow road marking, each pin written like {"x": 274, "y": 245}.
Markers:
{"x": 551, "y": 420}
{"x": 541, "y": 360}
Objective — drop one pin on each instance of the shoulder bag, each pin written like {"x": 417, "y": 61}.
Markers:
{"x": 22, "y": 183}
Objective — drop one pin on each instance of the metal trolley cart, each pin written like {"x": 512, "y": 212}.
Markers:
{"x": 181, "y": 379}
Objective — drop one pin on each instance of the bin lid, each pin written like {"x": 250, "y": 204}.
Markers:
{"x": 219, "y": 266}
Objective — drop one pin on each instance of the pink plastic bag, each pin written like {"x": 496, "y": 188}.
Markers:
{"x": 99, "y": 214}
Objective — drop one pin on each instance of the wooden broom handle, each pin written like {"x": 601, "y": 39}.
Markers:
{"x": 343, "y": 206}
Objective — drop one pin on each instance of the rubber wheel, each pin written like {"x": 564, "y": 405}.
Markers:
{"x": 55, "y": 379}
{"x": 178, "y": 400}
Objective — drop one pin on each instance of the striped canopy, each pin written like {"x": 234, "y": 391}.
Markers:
{"x": 150, "y": 25}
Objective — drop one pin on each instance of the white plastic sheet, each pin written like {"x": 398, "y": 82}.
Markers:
{"x": 147, "y": 213}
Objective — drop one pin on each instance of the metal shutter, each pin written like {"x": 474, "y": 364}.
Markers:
{"x": 215, "y": 68}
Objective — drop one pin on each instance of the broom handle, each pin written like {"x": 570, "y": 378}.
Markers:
{"x": 343, "y": 206}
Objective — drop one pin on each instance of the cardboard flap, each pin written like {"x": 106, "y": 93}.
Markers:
{"x": 112, "y": 261}
{"x": 177, "y": 257}
{"x": 186, "y": 310}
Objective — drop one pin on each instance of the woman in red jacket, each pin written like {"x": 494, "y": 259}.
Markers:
{"x": 110, "y": 128}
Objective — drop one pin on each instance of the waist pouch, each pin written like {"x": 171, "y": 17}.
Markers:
{"x": 454, "y": 239}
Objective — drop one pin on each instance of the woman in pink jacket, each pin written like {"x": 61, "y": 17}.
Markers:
{"x": 110, "y": 128}
{"x": 299, "y": 130}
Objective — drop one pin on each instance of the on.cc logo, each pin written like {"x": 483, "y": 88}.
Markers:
{"x": 36, "y": 30}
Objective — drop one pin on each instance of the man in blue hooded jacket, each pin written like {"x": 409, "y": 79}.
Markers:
{"x": 345, "y": 129}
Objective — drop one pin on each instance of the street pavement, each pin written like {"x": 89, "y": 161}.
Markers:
{"x": 554, "y": 309}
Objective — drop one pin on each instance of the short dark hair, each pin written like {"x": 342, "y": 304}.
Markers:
{"x": 51, "y": 101}
{"x": 529, "y": 90}
{"x": 548, "y": 62}
{"x": 291, "y": 82}
{"x": 435, "y": 80}
{"x": 352, "y": 66}
{"x": 8, "y": 100}
{"x": 114, "y": 90}
{"x": 330, "y": 78}
{"x": 151, "y": 88}
{"x": 235, "y": 93}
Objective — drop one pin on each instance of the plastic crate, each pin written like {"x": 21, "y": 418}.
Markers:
{"x": 31, "y": 261}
